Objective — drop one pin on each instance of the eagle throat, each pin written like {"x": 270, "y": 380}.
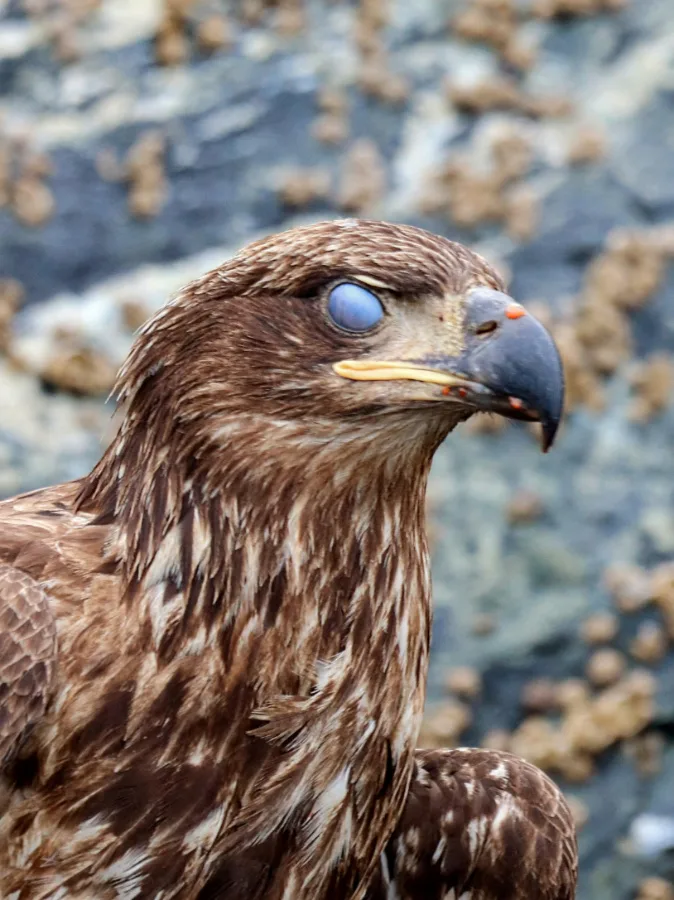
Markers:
{"x": 314, "y": 637}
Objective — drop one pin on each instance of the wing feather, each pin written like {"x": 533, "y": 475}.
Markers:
{"x": 482, "y": 825}
{"x": 27, "y": 656}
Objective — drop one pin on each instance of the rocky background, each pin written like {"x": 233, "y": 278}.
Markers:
{"x": 142, "y": 141}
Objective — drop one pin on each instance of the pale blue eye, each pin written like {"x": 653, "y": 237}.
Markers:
{"x": 354, "y": 308}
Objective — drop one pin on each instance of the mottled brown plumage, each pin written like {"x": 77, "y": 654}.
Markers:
{"x": 239, "y": 593}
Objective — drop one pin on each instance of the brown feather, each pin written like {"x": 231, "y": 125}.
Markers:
{"x": 479, "y": 824}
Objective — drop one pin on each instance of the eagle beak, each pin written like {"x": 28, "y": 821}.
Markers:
{"x": 509, "y": 365}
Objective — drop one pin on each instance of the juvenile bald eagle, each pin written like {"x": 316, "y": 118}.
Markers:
{"x": 214, "y": 647}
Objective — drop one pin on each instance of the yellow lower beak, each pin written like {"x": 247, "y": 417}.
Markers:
{"x": 385, "y": 370}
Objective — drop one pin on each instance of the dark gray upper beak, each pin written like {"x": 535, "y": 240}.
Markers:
{"x": 515, "y": 360}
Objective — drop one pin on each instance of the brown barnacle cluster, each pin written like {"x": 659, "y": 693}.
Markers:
{"x": 133, "y": 312}
{"x": 502, "y": 93}
{"x": 652, "y": 382}
{"x": 288, "y": 17}
{"x": 587, "y": 145}
{"x": 214, "y": 32}
{"x": 471, "y": 197}
{"x": 463, "y": 682}
{"x": 11, "y": 297}
{"x": 77, "y": 368}
{"x": 662, "y": 594}
{"x": 332, "y": 125}
{"x": 605, "y": 666}
{"x": 550, "y": 9}
{"x": 629, "y": 586}
{"x": 646, "y": 752}
{"x": 375, "y": 75}
{"x": 654, "y": 888}
{"x": 444, "y": 724}
{"x": 540, "y": 695}
{"x": 70, "y": 365}
{"x": 183, "y": 23}
{"x": 143, "y": 170}
{"x": 569, "y": 723}
{"x": 300, "y": 188}
{"x": 362, "y": 182}
{"x": 649, "y": 644}
{"x": 61, "y": 22}
{"x": 583, "y": 383}
{"x": 172, "y": 45}
{"x": 588, "y": 724}
{"x": 633, "y": 588}
{"x": 524, "y": 506}
{"x": 627, "y": 273}
{"x": 600, "y": 628}
{"x": 23, "y": 171}
{"x": 598, "y": 339}
{"x": 146, "y": 175}
{"x": 495, "y": 23}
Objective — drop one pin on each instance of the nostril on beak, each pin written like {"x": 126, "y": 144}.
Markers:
{"x": 486, "y": 328}
{"x": 515, "y": 311}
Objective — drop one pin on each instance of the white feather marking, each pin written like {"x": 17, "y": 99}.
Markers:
{"x": 197, "y": 643}
{"x": 477, "y": 830}
{"x": 403, "y": 639}
{"x": 206, "y": 831}
{"x": 331, "y": 671}
{"x": 328, "y": 804}
{"x": 125, "y": 874}
{"x": 290, "y": 890}
{"x": 201, "y": 540}
{"x": 439, "y": 850}
{"x": 500, "y": 771}
{"x": 391, "y": 889}
{"x": 406, "y": 731}
{"x": 162, "y": 614}
{"x": 507, "y": 808}
{"x": 413, "y": 838}
{"x": 198, "y": 753}
{"x": 166, "y": 559}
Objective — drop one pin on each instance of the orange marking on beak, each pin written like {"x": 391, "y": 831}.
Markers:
{"x": 515, "y": 311}
{"x": 445, "y": 390}
{"x": 515, "y": 402}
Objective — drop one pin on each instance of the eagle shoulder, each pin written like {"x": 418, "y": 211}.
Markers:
{"x": 27, "y": 656}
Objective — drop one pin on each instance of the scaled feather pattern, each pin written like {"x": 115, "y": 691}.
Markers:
{"x": 214, "y": 647}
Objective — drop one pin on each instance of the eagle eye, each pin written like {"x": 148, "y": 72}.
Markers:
{"x": 354, "y": 308}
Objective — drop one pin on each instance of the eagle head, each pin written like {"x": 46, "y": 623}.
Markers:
{"x": 360, "y": 333}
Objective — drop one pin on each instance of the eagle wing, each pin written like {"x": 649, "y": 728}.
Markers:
{"x": 27, "y": 656}
{"x": 483, "y": 825}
